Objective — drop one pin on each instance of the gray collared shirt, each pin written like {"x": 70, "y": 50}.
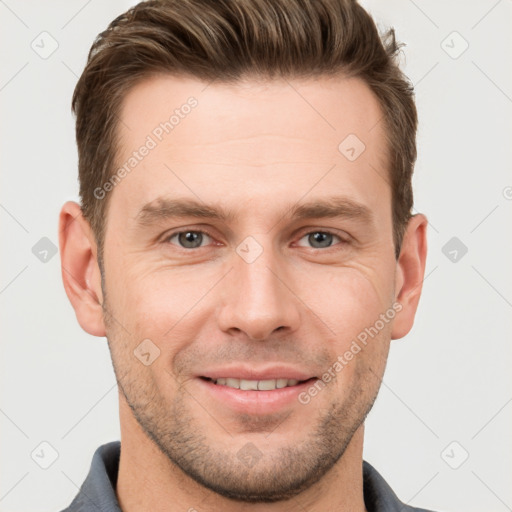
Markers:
{"x": 97, "y": 493}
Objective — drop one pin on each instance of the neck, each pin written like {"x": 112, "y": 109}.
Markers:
{"x": 148, "y": 481}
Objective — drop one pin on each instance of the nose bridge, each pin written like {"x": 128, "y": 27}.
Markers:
{"x": 257, "y": 301}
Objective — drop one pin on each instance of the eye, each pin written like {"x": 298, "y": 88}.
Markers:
{"x": 188, "y": 239}
{"x": 320, "y": 239}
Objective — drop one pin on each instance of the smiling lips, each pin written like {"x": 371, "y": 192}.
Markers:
{"x": 251, "y": 379}
{"x": 255, "y": 385}
{"x": 257, "y": 391}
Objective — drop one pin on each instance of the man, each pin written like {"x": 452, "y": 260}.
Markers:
{"x": 245, "y": 242}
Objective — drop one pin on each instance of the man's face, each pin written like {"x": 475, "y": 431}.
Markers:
{"x": 263, "y": 290}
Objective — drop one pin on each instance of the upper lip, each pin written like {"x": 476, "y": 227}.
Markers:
{"x": 266, "y": 373}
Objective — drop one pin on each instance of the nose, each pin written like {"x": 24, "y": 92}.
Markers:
{"x": 258, "y": 298}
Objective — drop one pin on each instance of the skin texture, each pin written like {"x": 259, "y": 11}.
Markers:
{"x": 257, "y": 149}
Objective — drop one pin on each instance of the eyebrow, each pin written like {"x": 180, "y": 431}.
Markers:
{"x": 164, "y": 208}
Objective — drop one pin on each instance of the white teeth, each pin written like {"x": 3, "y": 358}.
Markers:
{"x": 261, "y": 385}
{"x": 233, "y": 383}
{"x": 246, "y": 385}
{"x": 267, "y": 385}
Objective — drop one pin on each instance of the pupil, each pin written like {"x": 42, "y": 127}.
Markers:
{"x": 190, "y": 239}
{"x": 323, "y": 239}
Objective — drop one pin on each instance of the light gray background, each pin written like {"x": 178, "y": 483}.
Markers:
{"x": 448, "y": 381}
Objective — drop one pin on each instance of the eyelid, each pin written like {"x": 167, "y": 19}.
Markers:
{"x": 315, "y": 229}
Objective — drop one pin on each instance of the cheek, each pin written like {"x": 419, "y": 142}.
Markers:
{"x": 154, "y": 305}
{"x": 339, "y": 302}
{"x": 351, "y": 304}
{"x": 360, "y": 343}
{"x": 344, "y": 299}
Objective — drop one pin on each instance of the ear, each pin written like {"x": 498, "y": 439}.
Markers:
{"x": 80, "y": 270}
{"x": 410, "y": 274}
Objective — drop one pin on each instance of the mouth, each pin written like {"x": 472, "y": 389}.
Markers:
{"x": 254, "y": 396}
{"x": 256, "y": 385}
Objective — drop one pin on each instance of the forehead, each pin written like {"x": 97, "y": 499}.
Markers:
{"x": 263, "y": 135}
{"x": 322, "y": 109}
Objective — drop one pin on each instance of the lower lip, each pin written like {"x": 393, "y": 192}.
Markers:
{"x": 255, "y": 402}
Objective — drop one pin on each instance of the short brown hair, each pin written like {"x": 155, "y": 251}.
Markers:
{"x": 228, "y": 40}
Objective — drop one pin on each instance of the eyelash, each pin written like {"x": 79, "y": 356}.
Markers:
{"x": 167, "y": 239}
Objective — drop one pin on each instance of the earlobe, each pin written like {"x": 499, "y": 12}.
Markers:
{"x": 410, "y": 274}
{"x": 80, "y": 271}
